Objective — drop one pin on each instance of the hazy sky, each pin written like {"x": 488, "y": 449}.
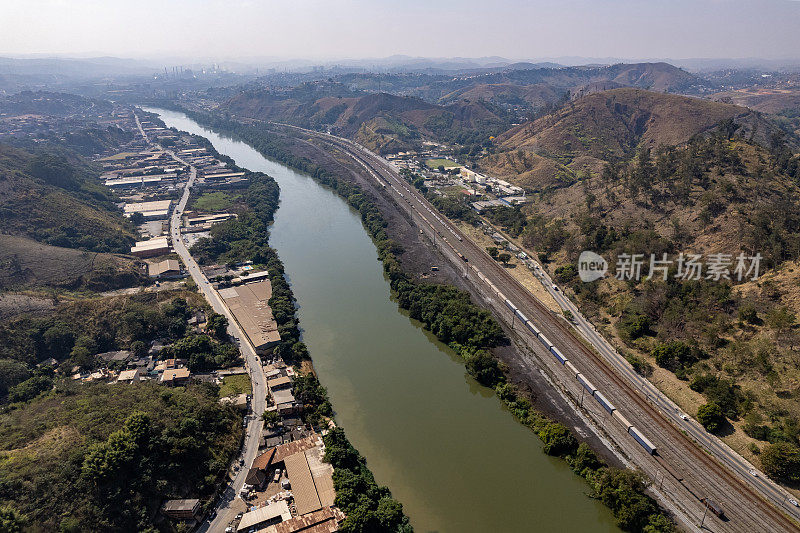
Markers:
{"x": 329, "y": 29}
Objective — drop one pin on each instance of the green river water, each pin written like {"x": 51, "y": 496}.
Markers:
{"x": 442, "y": 443}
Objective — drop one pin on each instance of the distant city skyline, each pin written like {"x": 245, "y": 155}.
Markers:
{"x": 319, "y": 30}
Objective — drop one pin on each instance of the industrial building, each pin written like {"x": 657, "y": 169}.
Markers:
{"x": 167, "y": 269}
{"x": 249, "y": 306}
{"x": 133, "y": 181}
{"x": 263, "y": 517}
{"x": 151, "y": 248}
{"x": 181, "y": 509}
{"x": 149, "y": 210}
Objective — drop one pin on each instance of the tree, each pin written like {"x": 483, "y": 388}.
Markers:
{"x": 780, "y": 318}
{"x": 11, "y": 521}
{"x": 558, "y": 439}
{"x": 30, "y": 388}
{"x": 271, "y": 418}
{"x": 672, "y": 355}
{"x": 781, "y": 461}
{"x": 493, "y": 251}
{"x": 484, "y": 368}
{"x": 504, "y": 258}
{"x": 711, "y": 417}
{"x": 748, "y": 313}
{"x": 218, "y": 326}
{"x": 12, "y": 373}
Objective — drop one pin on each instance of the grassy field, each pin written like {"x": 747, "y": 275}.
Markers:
{"x": 436, "y": 163}
{"x": 235, "y": 385}
{"x": 215, "y": 201}
{"x": 117, "y": 157}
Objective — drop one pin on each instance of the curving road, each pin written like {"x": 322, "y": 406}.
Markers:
{"x": 225, "y": 511}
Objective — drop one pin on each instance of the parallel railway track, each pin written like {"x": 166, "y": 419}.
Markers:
{"x": 691, "y": 467}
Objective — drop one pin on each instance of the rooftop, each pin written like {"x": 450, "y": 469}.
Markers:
{"x": 248, "y": 303}
{"x": 277, "y": 511}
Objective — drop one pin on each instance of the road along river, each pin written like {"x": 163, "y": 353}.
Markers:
{"x": 442, "y": 443}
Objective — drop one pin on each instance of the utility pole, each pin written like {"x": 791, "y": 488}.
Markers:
{"x": 583, "y": 390}
{"x": 705, "y": 512}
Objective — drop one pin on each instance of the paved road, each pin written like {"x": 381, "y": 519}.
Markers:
{"x": 225, "y": 510}
{"x": 743, "y": 496}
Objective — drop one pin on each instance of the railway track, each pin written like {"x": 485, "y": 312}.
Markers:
{"x": 698, "y": 473}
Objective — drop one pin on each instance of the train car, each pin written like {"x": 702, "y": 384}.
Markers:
{"x": 572, "y": 368}
{"x": 622, "y": 420}
{"x": 533, "y": 328}
{"x": 604, "y": 403}
{"x": 559, "y": 356}
{"x": 521, "y": 316}
{"x": 713, "y": 507}
{"x": 642, "y": 440}
{"x": 545, "y": 341}
{"x": 510, "y": 305}
{"x": 586, "y": 383}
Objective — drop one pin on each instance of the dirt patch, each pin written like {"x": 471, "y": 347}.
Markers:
{"x": 516, "y": 268}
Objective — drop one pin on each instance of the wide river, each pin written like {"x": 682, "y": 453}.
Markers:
{"x": 441, "y": 442}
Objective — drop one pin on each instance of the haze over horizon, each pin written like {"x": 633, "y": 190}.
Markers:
{"x": 324, "y": 31}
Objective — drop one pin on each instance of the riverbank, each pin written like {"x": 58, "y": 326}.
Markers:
{"x": 558, "y": 439}
{"x": 368, "y": 506}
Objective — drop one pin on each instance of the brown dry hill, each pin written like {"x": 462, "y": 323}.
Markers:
{"x": 613, "y": 124}
{"x": 381, "y": 121}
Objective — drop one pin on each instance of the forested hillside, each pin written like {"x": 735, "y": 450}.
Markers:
{"x": 55, "y": 198}
{"x": 103, "y": 457}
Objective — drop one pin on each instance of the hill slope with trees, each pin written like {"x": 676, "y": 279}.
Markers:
{"x": 54, "y": 197}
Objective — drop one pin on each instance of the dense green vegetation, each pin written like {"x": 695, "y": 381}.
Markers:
{"x": 106, "y": 456}
{"x": 54, "y": 197}
{"x": 76, "y": 331}
{"x": 368, "y": 506}
{"x": 511, "y": 219}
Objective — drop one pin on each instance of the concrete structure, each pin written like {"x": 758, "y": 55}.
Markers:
{"x": 133, "y": 181}
{"x": 169, "y": 268}
{"x": 181, "y": 509}
{"x": 149, "y": 210}
{"x": 248, "y": 303}
{"x": 326, "y": 520}
{"x": 268, "y": 515}
{"x": 129, "y": 376}
{"x": 176, "y": 376}
{"x": 205, "y": 222}
{"x": 151, "y": 248}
